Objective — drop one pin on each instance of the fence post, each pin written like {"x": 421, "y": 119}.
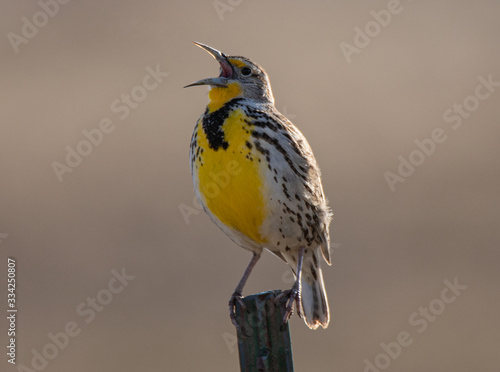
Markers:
{"x": 262, "y": 345}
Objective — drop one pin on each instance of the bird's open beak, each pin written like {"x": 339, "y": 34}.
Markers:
{"x": 226, "y": 69}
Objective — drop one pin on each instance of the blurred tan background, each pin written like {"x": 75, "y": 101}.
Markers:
{"x": 121, "y": 206}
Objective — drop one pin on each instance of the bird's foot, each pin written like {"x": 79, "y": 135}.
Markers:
{"x": 291, "y": 296}
{"x": 236, "y": 298}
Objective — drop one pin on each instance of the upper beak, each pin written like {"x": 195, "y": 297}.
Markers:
{"x": 226, "y": 68}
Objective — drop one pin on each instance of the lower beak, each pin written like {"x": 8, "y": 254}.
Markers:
{"x": 218, "y": 82}
{"x": 226, "y": 69}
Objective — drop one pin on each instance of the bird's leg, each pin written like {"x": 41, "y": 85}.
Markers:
{"x": 236, "y": 296}
{"x": 294, "y": 294}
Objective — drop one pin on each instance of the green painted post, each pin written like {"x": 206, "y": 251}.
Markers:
{"x": 262, "y": 345}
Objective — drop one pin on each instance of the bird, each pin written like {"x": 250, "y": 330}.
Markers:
{"x": 256, "y": 177}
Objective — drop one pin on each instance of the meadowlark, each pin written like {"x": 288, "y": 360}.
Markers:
{"x": 255, "y": 175}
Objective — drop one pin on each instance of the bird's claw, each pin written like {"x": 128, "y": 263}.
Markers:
{"x": 236, "y": 298}
{"x": 291, "y": 296}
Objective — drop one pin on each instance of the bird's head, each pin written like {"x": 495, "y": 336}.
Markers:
{"x": 239, "y": 77}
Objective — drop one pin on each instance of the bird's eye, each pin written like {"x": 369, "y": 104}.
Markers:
{"x": 245, "y": 71}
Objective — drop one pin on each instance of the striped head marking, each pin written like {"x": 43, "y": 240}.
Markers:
{"x": 239, "y": 78}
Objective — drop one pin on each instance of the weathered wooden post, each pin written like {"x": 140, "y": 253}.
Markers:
{"x": 262, "y": 344}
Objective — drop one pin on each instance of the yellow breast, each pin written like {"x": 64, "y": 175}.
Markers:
{"x": 221, "y": 95}
{"x": 230, "y": 180}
